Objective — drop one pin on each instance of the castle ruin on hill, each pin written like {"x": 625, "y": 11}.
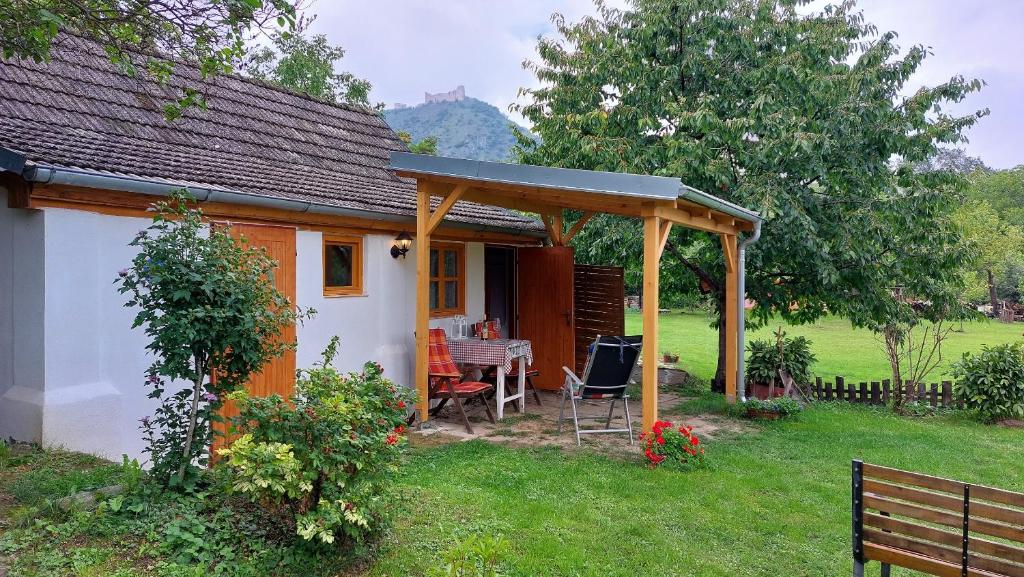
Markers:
{"x": 451, "y": 96}
{"x": 457, "y": 95}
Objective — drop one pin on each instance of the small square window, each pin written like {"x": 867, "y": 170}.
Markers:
{"x": 343, "y": 266}
{"x": 447, "y": 281}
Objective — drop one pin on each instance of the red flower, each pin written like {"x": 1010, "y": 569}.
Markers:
{"x": 661, "y": 440}
{"x": 694, "y": 441}
{"x": 392, "y": 439}
{"x": 401, "y": 404}
{"x": 400, "y": 429}
{"x": 657, "y": 459}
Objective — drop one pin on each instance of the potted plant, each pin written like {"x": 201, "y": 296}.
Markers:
{"x": 771, "y": 409}
{"x": 767, "y": 358}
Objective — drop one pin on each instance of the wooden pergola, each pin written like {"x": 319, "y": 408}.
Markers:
{"x": 660, "y": 201}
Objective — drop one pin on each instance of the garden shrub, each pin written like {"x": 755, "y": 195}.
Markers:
{"x": 991, "y": 382}
{"x": 673, "y": 447}
{"x": 324, "y": 455}
{"x": 208, "y": 306}
{"x": 763, "y": 363}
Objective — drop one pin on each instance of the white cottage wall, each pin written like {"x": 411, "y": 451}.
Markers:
{"x": 94, "y": 362}
{"x": 22, "y": 287}
{"x": 377, "y": 325}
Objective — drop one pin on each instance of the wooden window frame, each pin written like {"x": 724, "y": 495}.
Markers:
{"x": 356, "y": 242}
{"x": 460, "y": 251}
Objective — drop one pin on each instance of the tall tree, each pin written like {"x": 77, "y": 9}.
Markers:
{"x": 308, "y": 65}
{"x": 796, "y": 116}
{"x": 998, "y": 253}
{"x": 1003, "y": 189}
{"x": 212, "y": 34}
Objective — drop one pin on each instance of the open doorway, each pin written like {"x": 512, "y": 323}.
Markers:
{"x": 500, "y": 287}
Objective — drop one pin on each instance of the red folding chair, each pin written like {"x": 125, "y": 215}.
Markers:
{"x": 446, "y": 380}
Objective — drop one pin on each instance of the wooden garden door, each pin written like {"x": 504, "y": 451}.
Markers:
{"x": 545, "y": 303}
{"x": 279, "y": 375}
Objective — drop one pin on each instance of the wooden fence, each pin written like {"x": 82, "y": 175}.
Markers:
{"x": 881, "y": 392}
{"x": 599, "y": 306}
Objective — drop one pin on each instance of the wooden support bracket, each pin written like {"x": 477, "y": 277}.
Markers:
{"x": 577, "y": 226}
{"x": 663, "y": 234}
{"x": 446, "y": 205}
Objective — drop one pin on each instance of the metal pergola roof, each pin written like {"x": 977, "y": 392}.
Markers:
{"x": 634, "y": 186}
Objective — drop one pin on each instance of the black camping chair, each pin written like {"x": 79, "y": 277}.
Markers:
{"x": 605, "y": 378}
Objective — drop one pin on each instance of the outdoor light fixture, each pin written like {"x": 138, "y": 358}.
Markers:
{"x": 401, "y": 246}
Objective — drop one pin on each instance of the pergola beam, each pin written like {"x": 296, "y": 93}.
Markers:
{"x": 685, "y": 218}
{"x": 649, "y": 350}
{"x": 422, "y": 298}
{"x": 732, "y": 312}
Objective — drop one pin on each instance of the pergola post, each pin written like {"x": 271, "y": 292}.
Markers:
{"x": 422, "y": 298}
{"x": 652, "y": 254}
{"x": 731, "y": 312}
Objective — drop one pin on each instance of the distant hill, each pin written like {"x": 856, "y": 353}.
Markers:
{"x": 467, "y": 128}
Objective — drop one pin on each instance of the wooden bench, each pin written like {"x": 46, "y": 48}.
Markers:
{"x": 935, "y": 526}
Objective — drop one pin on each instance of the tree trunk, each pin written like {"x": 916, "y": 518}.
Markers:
{"x": 193, "y": 417}
{"x": 993, "y": 300}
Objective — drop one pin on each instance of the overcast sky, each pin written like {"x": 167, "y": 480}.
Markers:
{"x": 407, "y": 47}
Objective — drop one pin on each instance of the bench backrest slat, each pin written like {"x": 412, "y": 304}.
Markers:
{"x": 936, "y": 525}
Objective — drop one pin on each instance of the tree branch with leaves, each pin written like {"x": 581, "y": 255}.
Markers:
{"x": 796, "y": 115}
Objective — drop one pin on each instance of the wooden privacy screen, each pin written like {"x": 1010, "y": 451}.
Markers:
{"x": 936, "y": 526}
{"x": 599, "y": 303}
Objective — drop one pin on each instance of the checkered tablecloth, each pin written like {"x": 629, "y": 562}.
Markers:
{"x": 499, "y": 352}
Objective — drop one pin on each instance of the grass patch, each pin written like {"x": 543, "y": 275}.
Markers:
{"x": 774, "y": 501}
{"x": 841, "y": 350}
{"x": 38, "y": 476}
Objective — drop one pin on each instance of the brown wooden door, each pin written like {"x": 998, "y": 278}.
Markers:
{"x": 545, "y": 303}
{"x": 279, "y": 375}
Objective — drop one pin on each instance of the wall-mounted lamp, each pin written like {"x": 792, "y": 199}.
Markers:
{"x": 401, "y": 246}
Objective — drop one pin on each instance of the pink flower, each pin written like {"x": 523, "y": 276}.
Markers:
{"x": 210, "y": 397}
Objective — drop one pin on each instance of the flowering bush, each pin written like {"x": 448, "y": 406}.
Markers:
{"x": 325, "y": 455}
{"x": 675, "y": 447}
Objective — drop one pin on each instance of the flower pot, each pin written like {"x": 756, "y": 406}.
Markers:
{"x": 760, "y": 390}
{"x": 763, "y": 414}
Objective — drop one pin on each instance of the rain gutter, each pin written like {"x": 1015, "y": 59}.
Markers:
{"x": 90, "y": 179}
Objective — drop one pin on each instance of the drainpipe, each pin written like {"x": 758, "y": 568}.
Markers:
{"x": 741, "y": 376}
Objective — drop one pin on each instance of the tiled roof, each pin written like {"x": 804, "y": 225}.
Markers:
{"x": 80, "y": 111}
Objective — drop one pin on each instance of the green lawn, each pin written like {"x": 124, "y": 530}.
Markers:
{"x": 841, "y": 350}
{"x": 774, "y": 501}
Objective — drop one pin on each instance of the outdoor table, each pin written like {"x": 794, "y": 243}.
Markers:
{"x": 497, "y": 353}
